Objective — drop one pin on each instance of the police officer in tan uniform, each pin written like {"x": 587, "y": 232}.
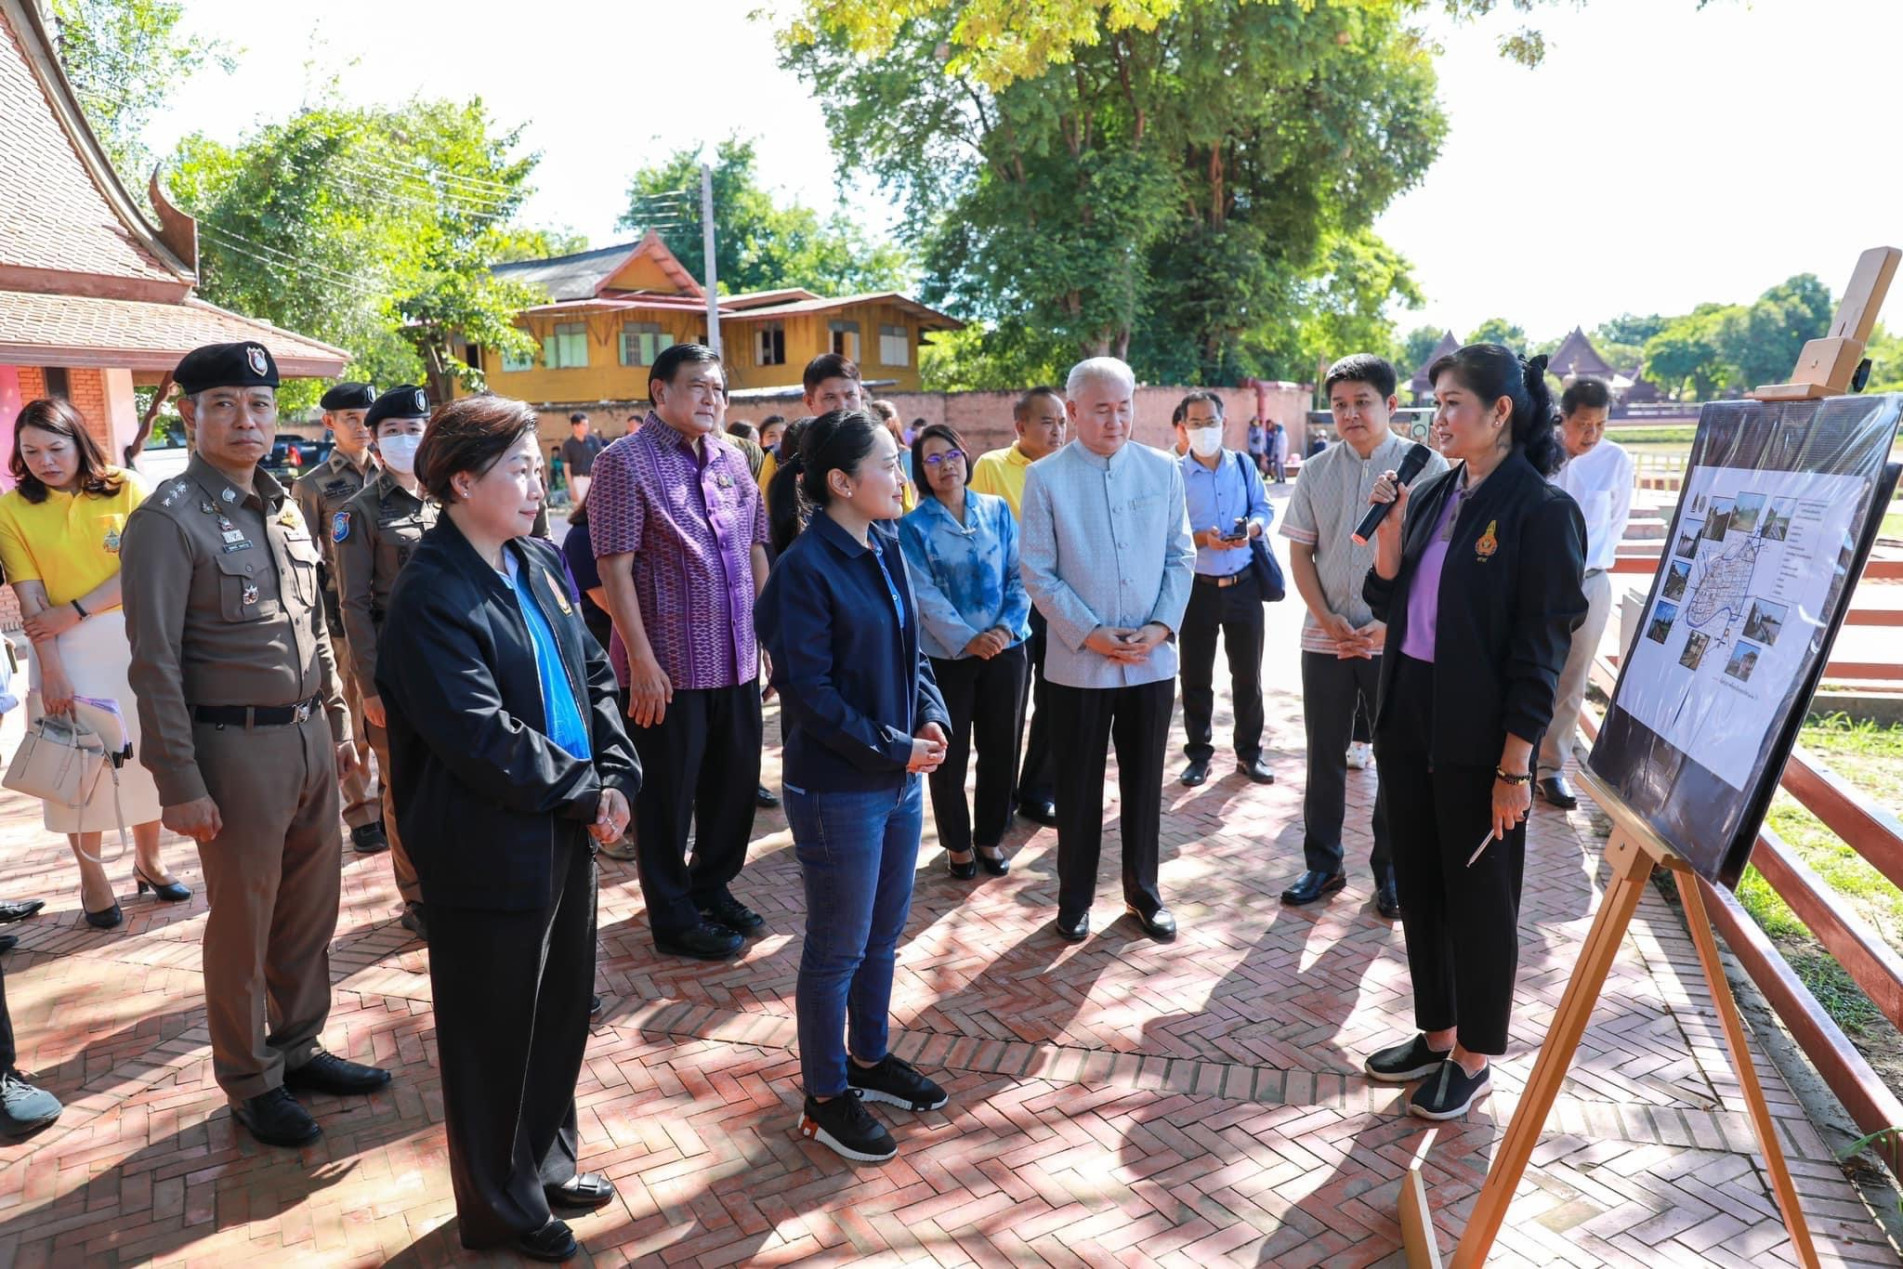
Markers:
{"x": 244, "y": 731}
{"x": 321, "y": 493}
{"x": 371, "y": 540}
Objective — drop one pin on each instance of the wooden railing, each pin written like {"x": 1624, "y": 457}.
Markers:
{"x": 1877, "y": 836}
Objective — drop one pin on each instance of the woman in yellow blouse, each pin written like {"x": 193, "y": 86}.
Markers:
{"x": 59, "y": 545}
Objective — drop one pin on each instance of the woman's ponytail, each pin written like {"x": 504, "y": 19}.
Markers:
{"x": 1536, "y": 434}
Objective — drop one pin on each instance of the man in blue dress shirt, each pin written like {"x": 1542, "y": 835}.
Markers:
{"x": 1106, "y": 556}
{"x": 1227, "y": 510}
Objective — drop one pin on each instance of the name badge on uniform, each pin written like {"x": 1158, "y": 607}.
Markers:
{"x": 560, "y": 592}
{"x": 233, "y": 535}
{"x": 242, "y": 544}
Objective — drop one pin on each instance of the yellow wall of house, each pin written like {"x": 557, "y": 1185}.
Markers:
{"x": 604, "y": 378}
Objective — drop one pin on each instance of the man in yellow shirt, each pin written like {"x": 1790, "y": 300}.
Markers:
{"x": 1042, "y": 428}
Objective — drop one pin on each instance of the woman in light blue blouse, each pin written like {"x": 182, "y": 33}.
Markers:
{"x": 962, "y": 551}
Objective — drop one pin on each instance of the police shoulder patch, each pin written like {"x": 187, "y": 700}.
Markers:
{"x": 340, "y": 526}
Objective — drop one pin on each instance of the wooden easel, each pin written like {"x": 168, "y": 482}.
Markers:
{"x": 1825, "y": 368}
{"x": 1633, "y": 851}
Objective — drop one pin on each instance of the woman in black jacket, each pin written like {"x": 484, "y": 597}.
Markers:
{"x": 508, "y": 756}
{"x": 1477, "y": 577}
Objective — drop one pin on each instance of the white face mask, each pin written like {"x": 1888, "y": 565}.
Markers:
{"x": 1205, "y": 441}
{"x": 399, "y": 452}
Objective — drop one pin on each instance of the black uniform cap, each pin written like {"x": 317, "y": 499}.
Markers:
{"x": 406, "y": 402}
{"x": 349, "y": 396}
{"x": 245, "y": 365}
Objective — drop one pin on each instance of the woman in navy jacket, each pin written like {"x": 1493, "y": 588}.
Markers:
{"x": 863, "y": 721}
{"x": 508, "y": 757}
{"x": 1477, "y": 576}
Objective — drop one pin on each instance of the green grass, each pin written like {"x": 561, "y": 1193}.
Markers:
{"x": 1679, "y": 437}
{"x": 1893, "y": 524}
{"x": 1870, "y": 757}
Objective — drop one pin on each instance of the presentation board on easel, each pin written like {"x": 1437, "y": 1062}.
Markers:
{"x": 1778, "y": 510}
{"x": 1776, "y": 517}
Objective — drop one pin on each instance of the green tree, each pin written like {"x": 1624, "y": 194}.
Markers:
{"x": 1761, "y": 342}
{"x": 1685, "y": 353}
{"x": 371, "y": 228}
{"x": 974, "y": 360}
{"x": 1627, "y": 328}
{"x": 1417, "y": 346}
{"x": 125, "y": 58}
{"x": 1137, "y": 199}
{"x": 1498, "y": 330}
{"x": 758, "y": 244}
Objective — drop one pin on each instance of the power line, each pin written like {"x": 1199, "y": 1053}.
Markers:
{"x": 430, "y": 169}
{"x": 410, "y": 200}
{"x": 382, "y": 185}
{"x": 230, "y": 242}
{"x": 364, "y": 171}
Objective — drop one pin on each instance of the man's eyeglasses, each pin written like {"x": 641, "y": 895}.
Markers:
{"x": 944, "y": 456}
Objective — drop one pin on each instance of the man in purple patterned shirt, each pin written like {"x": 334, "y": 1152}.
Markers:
{"x": 680, "y": 535}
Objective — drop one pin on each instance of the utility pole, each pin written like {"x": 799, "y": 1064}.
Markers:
{"x": 707, "y": 248}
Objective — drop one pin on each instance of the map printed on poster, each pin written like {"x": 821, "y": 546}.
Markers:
{"x": 1747, "y": 581}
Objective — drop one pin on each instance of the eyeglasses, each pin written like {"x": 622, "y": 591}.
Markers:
{"x": 944, "y": 456}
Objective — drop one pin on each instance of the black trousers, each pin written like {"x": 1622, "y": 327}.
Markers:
{"x": 984, "y": 699}
{"x": 7, "y": 1052}
{"x": 1235, "y": 611}
{"x": 1364, "y": 715}
{"x": 700, "y": 766}
{"x": 1462, "y": 923}
{"x": 512, "y": 991}
{"x": 1332, "y": 709}
{"x": 1037, "y": 781}
{"x": 1137, "y": 721}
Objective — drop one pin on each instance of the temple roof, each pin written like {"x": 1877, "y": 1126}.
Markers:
{"x": 1576, "y": 356}
{"x": 1419, "y": 385}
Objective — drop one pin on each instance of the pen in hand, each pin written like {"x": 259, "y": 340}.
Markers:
{"x": 1481, "y": 849}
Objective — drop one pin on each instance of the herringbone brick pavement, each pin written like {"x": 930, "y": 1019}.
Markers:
{"x": 1116, "y": 1101}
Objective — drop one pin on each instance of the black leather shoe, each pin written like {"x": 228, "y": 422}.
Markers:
{"x": 173, "y": 891}
{"x": 1387, "y": 899}
{"x": 705, "y": 942}
{"x": 1074, "y": 929}
{"x": 1159, "y": 925}
{"x": 1311, "y": 886}
{"x": 1039, "y": 811}
{"x": 415, "y": 920}
{"x": 109, "y": 919}
{"x": 328, "y": 1073}
{"x": 20, "y": 911}
{"x": 997, "y": 865}
{"x": 961, "y": 872}
{"x": 552, "y": 1244}
{"x": 725, "y": 910}
{"x": 1555, "y": 790}
{"x": 764, "y": 798}
{"x": 276, "y": 1119}
{"x": 584, "y": 1191}
{"x": 1256, "y": 769}
{"x": 8, "y": 942}
{"x": 1197, "y": 772}
{"x": 369, "y": 839}
{"x": 594, "y": 1006}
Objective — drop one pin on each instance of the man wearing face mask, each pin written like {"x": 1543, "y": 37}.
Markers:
{"x": 372, "y": 538}
{"x": 1227, "y": 508}
{"x": 321, "y": 493}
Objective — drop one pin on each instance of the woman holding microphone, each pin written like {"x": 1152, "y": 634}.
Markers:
{"x": 1477, "y": 577}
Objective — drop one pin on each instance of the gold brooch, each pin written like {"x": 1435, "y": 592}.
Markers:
{"x": 1488, "y": 543}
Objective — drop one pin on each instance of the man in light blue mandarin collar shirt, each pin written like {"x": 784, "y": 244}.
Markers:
{"x": 1107, "y": 558}
{"x": 1227, "y": 510}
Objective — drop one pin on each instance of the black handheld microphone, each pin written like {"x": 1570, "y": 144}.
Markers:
{"x": 1410, "y": 468}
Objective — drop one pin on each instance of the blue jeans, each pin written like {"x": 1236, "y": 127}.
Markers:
{"x": 857, "y": 853}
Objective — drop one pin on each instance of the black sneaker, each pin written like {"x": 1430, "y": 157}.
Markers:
{"x": 895, "y": 1082}
{"x": 1405, "y": 1063}
{"x": 705, "y": 942}
{"x": 1448, "y": 1092}
{"x": 844, "y": 1126}
{"x": 369, "y": 839}
{"x": 724, "y": 909}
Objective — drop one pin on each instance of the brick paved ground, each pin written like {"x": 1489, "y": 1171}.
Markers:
{"x": 1121, "y": 1101}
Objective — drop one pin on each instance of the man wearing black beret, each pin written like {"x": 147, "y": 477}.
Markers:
{"x": 321, "y": 494}
{"x": 244, "y": 731}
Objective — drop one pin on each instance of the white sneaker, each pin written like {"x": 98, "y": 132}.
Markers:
{"x": 1360, "y": 755}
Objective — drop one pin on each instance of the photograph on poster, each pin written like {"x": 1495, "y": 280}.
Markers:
{"x": 1688, "y": 540}
{"x": 1660, "y": 628}
{"x": 1765, "y": 621}
{"x": 1744, "y": 514}
{"x": 1777, "y": 522}
{"x": 1719, "y": 520}
{"x": 1694, "y": 652}
{"x": 1675, "y": 580}
{"x": 1744, "y": 659}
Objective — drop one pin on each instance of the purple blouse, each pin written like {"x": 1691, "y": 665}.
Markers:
{"x": 1423, "y": 596}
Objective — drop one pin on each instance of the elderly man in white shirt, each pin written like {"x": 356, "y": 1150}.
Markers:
{"x": 1107, "y": 558}
{"x": 1598, "y": 475}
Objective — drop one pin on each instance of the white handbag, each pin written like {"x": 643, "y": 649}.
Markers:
{"x": 62, "y": 759}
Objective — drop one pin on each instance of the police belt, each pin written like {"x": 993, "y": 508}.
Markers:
{"x": 1230, "y": 579}
{"x": 257, "y": 715}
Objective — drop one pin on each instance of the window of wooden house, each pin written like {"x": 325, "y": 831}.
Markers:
{"x": 769, "y": 344}
{"x": 895, "y": 346}
{"x": 642, "y": 342}
{"x": 566, "y": 347}
{"x": 845, "y": 339}
{"x": 517, "y": 362}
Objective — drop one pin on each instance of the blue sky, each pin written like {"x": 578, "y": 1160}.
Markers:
{"x": 1661, "y": 156}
